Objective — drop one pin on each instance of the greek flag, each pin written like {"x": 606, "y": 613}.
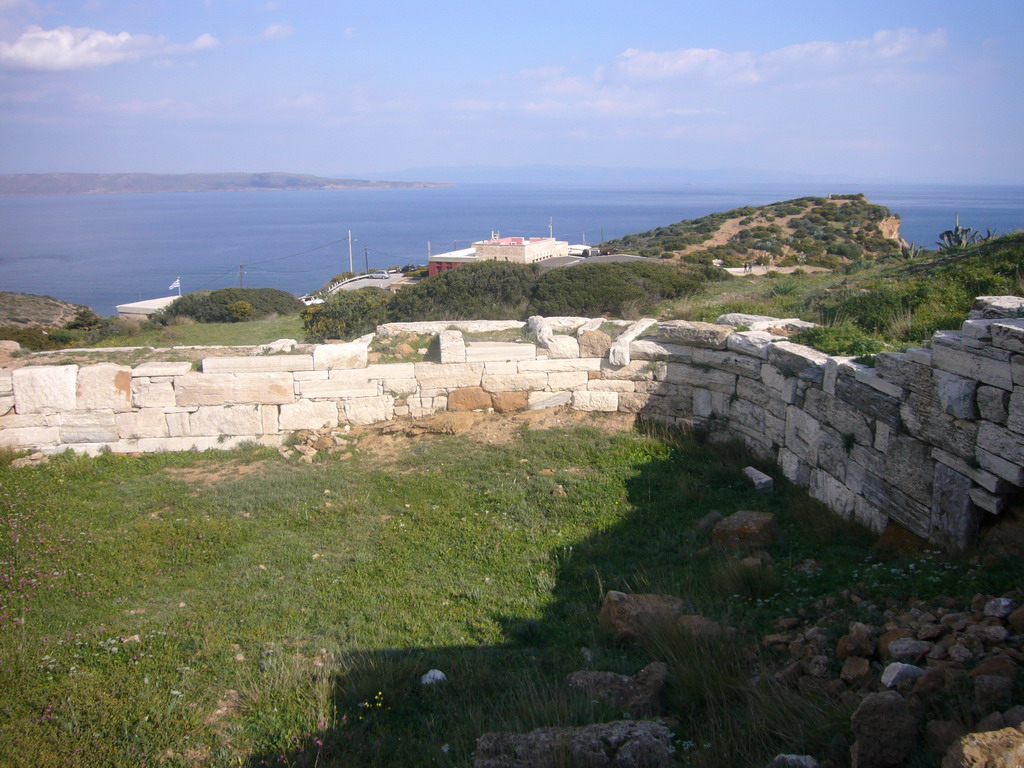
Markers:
{"x": 175, "y": 284}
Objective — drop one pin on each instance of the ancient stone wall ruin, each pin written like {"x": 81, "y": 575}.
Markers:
{"x": 932, "y": 439}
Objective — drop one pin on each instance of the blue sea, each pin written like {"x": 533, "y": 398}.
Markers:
{"x": 104, "y": 250}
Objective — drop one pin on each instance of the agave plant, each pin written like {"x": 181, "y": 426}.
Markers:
{"x": 957, "y": 237}
{"x": 961, "y": 237}
{"x": 909, "y": 252}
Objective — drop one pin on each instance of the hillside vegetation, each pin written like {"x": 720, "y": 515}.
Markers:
{"x": 495, "y": 290}
{"x": 809, "y": 230}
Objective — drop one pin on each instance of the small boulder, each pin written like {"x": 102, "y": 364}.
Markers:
{"x": 858, "y": 642}
{"x": 629, "y": 616}
{"x": 890, "y": 637}
{"x": 885, "y": 732}
{"x": 999, "y": 607}
{"x": 640, "y": 695}
{"x": 907, "y": 649}
{"x": 996, "y": 749}
{"x": 856, "y": 672}
{"x": 746, "y": 529}
{"x": 619, "y": 744}
{"x": 897, "y": 672}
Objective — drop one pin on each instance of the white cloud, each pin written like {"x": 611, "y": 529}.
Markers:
{"x": 277, "y": 31}
{"x": 68, "y": 48}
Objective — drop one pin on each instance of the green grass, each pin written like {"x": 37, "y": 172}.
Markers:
{"x": 143, "y": 595}
{"x": 206, "y": 334}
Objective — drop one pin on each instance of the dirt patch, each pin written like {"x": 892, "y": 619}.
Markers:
{"x": 215, "y": 474}
{"x": 390, "y": 442}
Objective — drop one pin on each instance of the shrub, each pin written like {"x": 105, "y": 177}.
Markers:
{"x": 346, "y": 314}
{"x": 213, "y": 306}
{"x": 844, "y": 339}
{"x": 595, "y": 289}
{"x": 241, "y": 310}
{"x": 490, "y": 290}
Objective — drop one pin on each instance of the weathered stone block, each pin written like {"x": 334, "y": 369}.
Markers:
{"x": 226, "y": 420}
{"x": 369, "y": 410}
{"x": 846, "y": 420}
{"x": 993, "y": 403}
{"x": 178, "y": 425}
{"x": 518, "y": 382}
{"x": 619, "y": 354}
{"x": 352, "y": 354}
{"x": 307, "y": 414}
{"x": 147, "y": 393}
{"x": 583, "y": 400}
{"x": 803, "y": 433}
{"x": 694, "y": 334}
{"x": 147, "y": 422}
{"x": 925, "y": 420}
{"x": 509, "y": 402}
{"x": 233, "y": 389}
{"x": 648, "y": 349}
{"x": 899, "y": 369}
{"x": 88, "y": 427}
{"x": 733, "y": 362}
{"x": 708, "y": 378}
{"x": 436, "y": 376}
{"x": 638, "y": 370}
{"x": 910, "y": 467}
{"x": 614, "y": 385}
{"x": 452, "y": 347}
{"x": 400, "y": 386}
{"x": 493, "y": 351}
{"x": 870, "y": 377}
{"x": 956, "y": 395}
{"x": 45, "y": 388}
{"x": 867, "y": 399}
{"x": 468, "y": 399}
{"x": 971, "y": 365}
{"x": 258, "y": 363}
{"x": 633, "y": 402}
{"x": 19, "y": 438}
{"x": 753, "y": 343}
{"x": 758, "y": 393}
{"x": 162, "y": 369}
{"x": 6, "y": 382}
{"x": 104, "y": 386}
{"x": 795, "y": 469}
{"x": 336, "y": 390}
{"x": 561, "y": 347}
{"x": 987, "y": 480}
{"x": 269, "y": 416}
{"x": 990, "y": 502}
{"x": 786, "y": 386}
{"x": 955, "y": 519}
{"x": 831, "y": 492}
{"x": 746, "y": 529}
{"x": 798, "y": 361}
{"x": 594, "y": 343}
{"x": 557, "y": 366}
{"x": 570, "y": 380}
{"x": 537, "y": 401}
{"x": 1008, "y": 334}
{"x": 908, "y": 512}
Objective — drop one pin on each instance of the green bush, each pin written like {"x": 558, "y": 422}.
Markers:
{"x": 844, "y": 339}
{"x": 490, "y": 290}
{"x": 214, "y": 306}
{"x": 347, "y": 314}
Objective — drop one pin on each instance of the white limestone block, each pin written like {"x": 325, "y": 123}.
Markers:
{"x": 260, "y": 363}
{"x": 351, "y": 354}
{"x": 611, "y": 385}
{"x": 147, "y": 393}
{"x": 387, "y": 371}
{"x": 104, "y": 386}
{"x": 45, "y": 388}
{"x": 453, "y": 347}
{"x": 561, "y": 347}
{"x": 400, "y": 386}
{"x": 753, "y": 343}
{"x": 650, "y": 349}
{"x": 233, "y": 389}
{"x": 269, "y": 416}
{"x": 338, "y": 390}
{"x": 496, "y": 351}
{"x": 307, "y": 414}
{"x": 369, "y": 410}
{"x": 451, "y": 376}
{"x": 88, "y": 427}
{"x": 519, "y": 382}
{"x": 798, "y": 360}
{"x": 146, "y": 422}
{"x": 956, "y": 395}
{"x": 162, "y": 369}
{"x": 584, "y": 400}
{"x": 6, "y": 383}
{"x": 619, "y": 353}
{"x": 6, "y": 404}
{"x": 226, "y": 420}
{"x": 568, "y": 380}
{"x": 540, "y": 400}
{"x": 20, "y": 438}
{"x": 554, "y": 365}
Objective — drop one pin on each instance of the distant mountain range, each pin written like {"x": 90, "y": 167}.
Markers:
{"x": 136, "y": 183}
{"x": 568, "y": 175}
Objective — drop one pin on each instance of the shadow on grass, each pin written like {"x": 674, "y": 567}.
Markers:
{"x": 373, "y": 710}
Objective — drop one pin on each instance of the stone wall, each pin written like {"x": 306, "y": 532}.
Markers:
{"x": 932, "y": 439}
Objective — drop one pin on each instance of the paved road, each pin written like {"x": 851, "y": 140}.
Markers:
{"x": 369, "y": 282}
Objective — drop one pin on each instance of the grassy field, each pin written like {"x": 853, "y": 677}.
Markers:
{"x": 242, "y": 609}
{"x": 206, "y": 334}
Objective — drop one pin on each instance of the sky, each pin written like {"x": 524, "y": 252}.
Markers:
{"x": 898, "y": 90}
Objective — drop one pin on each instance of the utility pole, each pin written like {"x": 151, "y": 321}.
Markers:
{"x": 241, "y": 275}
{"x": 350, "y": 251}
{"x": 428, "y": 251}
{"x": 366, "y": 258}
{"x": 551, "y": 227}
